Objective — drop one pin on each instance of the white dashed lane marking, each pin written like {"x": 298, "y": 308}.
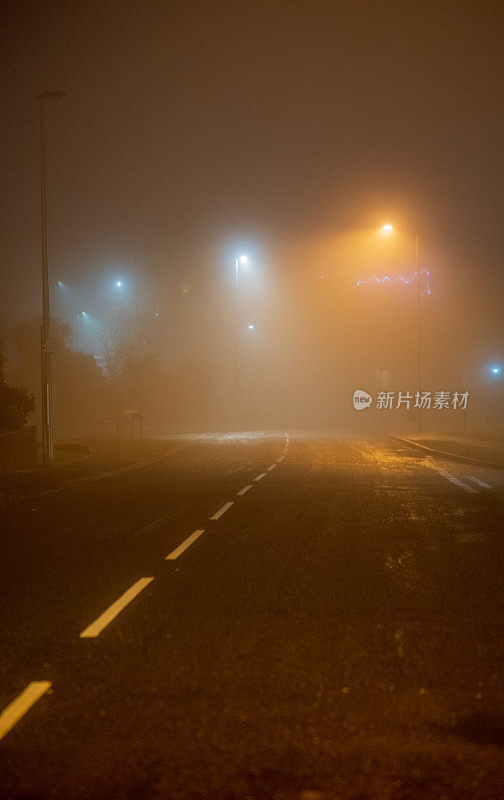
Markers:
{"x": 260, "y": 477}
{"x": 244, "y": 490}
{"x": 272, "y": 466}
{"x": 222, "y": 510}
{"x": 22, "y": 703}
{"x": 112, "y": 611}
{"x": 185, "y": 544}
{"x": 479, "y": 482}
{"x": 453, "y": 479}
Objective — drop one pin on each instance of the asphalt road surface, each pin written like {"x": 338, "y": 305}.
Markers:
{"x": 257, "y": 616}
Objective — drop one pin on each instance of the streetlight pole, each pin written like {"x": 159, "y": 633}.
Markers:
{"x": 45, "y": 338}
{"x": 238, "y": 261}
{"x": 419, "y": 336}
{"x": 388, "y": 229}
{"x": 235, "y": 388}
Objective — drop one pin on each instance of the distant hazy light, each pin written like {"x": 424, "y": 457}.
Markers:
{"x": 83, "y": 314}
{"x": 387, "y": 228}
{"x": 251, "y": 327}
{"x": 118, "y": 283}
{"x": 243, "y": 259}
{"x": 60, "y": 283}
{"x": 496, "y": 370}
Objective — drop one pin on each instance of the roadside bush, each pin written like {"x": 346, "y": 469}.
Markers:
{"x": 16, "y": 405}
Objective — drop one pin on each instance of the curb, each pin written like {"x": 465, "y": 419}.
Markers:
{"x": 84, "y": 479}
{"x": 463, "y": 459}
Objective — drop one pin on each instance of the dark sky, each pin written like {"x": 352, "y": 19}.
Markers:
{"x": 189, "y": 127}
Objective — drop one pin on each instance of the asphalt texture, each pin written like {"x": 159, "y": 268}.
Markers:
{"x": 336, "y": 633}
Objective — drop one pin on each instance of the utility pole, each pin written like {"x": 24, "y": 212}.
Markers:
{"x": 236, "y": 345}
{"x": 419, "y": 337}
{"x": 45, "y": 337}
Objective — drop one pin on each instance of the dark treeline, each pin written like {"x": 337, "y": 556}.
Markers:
{"x": 16, "y": 404}
{"x": 93, "y": 396}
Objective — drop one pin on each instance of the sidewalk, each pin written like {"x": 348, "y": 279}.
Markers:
{"x": 486, "y": 451}
{"x": 76, "y": 463}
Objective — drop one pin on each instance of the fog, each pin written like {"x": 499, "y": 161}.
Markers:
{"x": 252, "y": 399}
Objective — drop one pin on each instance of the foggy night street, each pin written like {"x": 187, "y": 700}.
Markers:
{"x": 251, "y": 400}
{"x": 333, "y": 633}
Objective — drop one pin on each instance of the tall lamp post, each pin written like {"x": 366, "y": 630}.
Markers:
{"x": 419, "y": 335}
{"x": 388, "y": 229}
{"x": 45, "y": 338}
{"x": 240, "y": 260}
